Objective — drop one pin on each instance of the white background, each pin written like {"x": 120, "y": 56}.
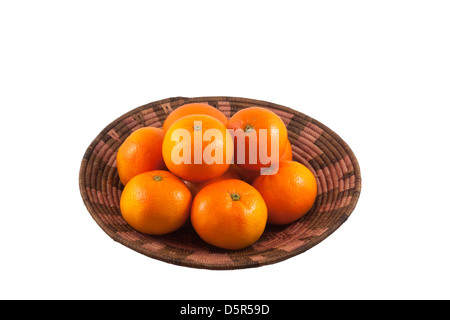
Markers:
{"x": 376, "y": 72}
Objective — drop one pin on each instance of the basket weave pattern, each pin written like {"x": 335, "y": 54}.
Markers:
{"x": 313, "y": 144}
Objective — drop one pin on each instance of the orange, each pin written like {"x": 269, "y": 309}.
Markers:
{"x": 195, "y": 187}
{"x": 252, "y": 121}
{"x": 191, "y": 154}
{"x": 246, "y": 175}
{"x": 193, "y": 108}
{"x": 287, "y": 154}
{"x": 155, "y": 202}
{"x": 289, "y": 194}
{"x": 140, "y": 152}
{"x": 229, "y": 214}
{"x": 250, "y": 175}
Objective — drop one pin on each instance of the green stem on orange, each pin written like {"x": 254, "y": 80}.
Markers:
{"x": 248, "y": 128}
{"x": 235, "y": 196}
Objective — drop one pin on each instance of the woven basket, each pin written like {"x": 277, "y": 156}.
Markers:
{"x": 313, "y": 144}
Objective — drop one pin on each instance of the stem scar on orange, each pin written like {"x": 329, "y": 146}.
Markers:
{"x": 289, "y": 194}
{"x": 155, "y": 202}
{"x": 197, "y": 148}
{"x": 140, "y": 152}
{"x": 229, "y": 214}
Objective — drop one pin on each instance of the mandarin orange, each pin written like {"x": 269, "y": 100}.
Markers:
{"x": 155, "y": 202}
{"x": 248, "y": 126}
{"x": 289, "y": 194}
{"x": 197, "y": 148}
{"x": 229, "y": 214}
{"x": 140, "y": 152}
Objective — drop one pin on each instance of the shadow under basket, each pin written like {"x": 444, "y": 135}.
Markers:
{"x": 313, "y": 144}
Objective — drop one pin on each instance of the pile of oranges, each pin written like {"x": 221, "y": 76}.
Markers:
{"x": 228, "y": 202}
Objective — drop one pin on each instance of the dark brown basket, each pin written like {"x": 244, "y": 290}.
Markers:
{"x": 313, "y": 144}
